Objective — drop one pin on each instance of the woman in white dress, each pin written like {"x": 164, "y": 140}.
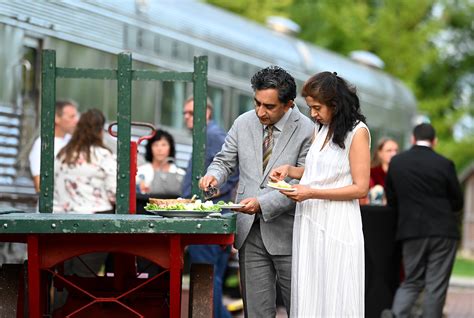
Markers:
{"x": 328, "y": 243}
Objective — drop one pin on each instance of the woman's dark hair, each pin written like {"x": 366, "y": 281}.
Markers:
{"x": 334, "y": 92}
{"x": 160, "y": 134}
{"x": 277, "y": 78}
{"x": 88, "y": 133}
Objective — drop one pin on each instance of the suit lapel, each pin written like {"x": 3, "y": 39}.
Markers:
{"x": 283, "y": 139}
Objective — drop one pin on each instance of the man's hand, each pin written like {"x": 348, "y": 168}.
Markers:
{"x": 252, "y": 206}
{"x": 207, "y": 181}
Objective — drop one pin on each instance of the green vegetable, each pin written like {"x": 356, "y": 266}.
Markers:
{"x": 198, "y": 207}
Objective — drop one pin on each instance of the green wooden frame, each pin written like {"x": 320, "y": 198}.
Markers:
{"x": 124, "y": 75}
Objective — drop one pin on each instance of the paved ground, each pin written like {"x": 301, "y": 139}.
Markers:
{"x": 459, "y": 303}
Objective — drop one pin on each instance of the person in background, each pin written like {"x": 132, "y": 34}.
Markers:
{"x": 210, "y": 254}
{"x": 274, "y": 134}
{"x": 65, "y": 121}
{"x": 160, "y": 175}
{"x": 423, "y": 186}
{"x": 328, "y": 243}
{"x": 386, "y": 149}
{"x": 85, "y": 182}
{"x": 85, "y": 170}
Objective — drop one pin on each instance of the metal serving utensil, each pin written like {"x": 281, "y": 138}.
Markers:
{"x": 210, "y": 192}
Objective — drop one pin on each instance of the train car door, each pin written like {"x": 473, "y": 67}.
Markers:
{"x": 18, "y": 116}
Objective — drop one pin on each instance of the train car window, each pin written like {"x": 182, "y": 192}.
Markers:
{"x": 156, "y": 45}
{"x": 245, "y": 103}
{"x": 218, "y": 62}
{"x": 12, "y": 68}
{"x": 144, "y": 96}
{"x": 101, "y": 94}
{"x": 10, "y": 64}
{"x": 30, "y": 106}
{"x": 172, "y": 102}
{"x": 216, "y": 95}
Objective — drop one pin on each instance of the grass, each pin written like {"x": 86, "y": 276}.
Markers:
{"x": 463, "y": 267}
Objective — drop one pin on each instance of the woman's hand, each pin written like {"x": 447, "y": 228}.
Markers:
{"x": 279, "y": 173}
{"x": 302, "y": 193}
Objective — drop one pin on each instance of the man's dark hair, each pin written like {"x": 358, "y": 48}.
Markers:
{"x": 277, "y": 78}
{"x": 160, "y": 134}
{"x": 60, "y": 104}
{"x": 424, "y": 132}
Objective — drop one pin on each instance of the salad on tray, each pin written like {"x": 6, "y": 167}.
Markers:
{"x": 182, "y": 205}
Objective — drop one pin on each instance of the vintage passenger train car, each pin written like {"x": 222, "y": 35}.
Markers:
{"x": 162, "y": 35}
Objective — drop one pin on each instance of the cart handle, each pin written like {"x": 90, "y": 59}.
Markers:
{"x": 135, "y": 123}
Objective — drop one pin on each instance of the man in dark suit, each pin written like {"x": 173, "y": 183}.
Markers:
{"x": 424, "y": 188}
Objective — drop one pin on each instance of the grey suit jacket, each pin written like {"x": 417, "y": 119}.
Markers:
{"x": 243, "y": 148}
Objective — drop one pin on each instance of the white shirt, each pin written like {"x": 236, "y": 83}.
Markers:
{"x": 424, "y": 143}
{"x": 35, "y": 153}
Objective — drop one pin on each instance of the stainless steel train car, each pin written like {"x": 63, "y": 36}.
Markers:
{"x": 162, "y": 35}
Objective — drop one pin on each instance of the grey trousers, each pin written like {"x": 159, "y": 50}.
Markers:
{"x": 259, "y": 274}
{"x": 428, "y": 263}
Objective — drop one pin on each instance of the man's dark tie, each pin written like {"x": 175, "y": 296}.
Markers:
{"x": 267, "y": 145}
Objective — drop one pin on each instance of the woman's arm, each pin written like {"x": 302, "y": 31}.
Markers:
{"x": 359, "y": 160}
{"x": 295, "y": 172}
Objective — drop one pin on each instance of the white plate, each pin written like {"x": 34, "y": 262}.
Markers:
{"x": 231, "y": 206}
{"x": 181, "y": 213}
{"x": 283, "y": 189}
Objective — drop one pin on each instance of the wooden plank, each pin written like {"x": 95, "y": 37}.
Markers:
{"x": 149, "y": 75}
{"x": 199, "y": 122}
{"x": 124, "y": 118}
{"x": 31, "y": 223}
{"x": 86, "y": 73}
{"x": 48, "y": 99}
{"x": 10, "y": 275}
{"x": 201, "y": 291}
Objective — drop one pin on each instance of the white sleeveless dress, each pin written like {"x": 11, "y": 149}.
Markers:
{"x": 328, "y": 243}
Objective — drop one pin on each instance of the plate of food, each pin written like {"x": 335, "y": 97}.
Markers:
{"x": 281, "y": 185}
{"x": 180, "y": 213}
{"x": 229, "y": 205}
{"x": 188, "y": 208}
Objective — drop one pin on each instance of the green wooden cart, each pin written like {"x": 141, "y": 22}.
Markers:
{"x": 54, "y": 238}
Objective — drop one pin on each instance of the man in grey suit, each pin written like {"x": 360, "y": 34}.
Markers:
{"x": 276, "y": 133}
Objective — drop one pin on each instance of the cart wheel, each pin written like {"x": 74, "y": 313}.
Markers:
{"x": 201, "y": 291}
{"x": 11, "y": 286}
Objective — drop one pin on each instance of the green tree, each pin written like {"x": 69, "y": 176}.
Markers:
{"x": 429, "y": 44}
{"x": 446, "y": 86}
{"x": 254, "y": 10}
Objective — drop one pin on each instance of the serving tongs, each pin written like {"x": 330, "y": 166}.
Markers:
{"x": 210, "y": 192}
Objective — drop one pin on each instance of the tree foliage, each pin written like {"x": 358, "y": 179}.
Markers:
{"x": 429, "y": 44}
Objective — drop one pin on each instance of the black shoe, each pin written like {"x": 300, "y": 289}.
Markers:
{"x": 386, "y": 313}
